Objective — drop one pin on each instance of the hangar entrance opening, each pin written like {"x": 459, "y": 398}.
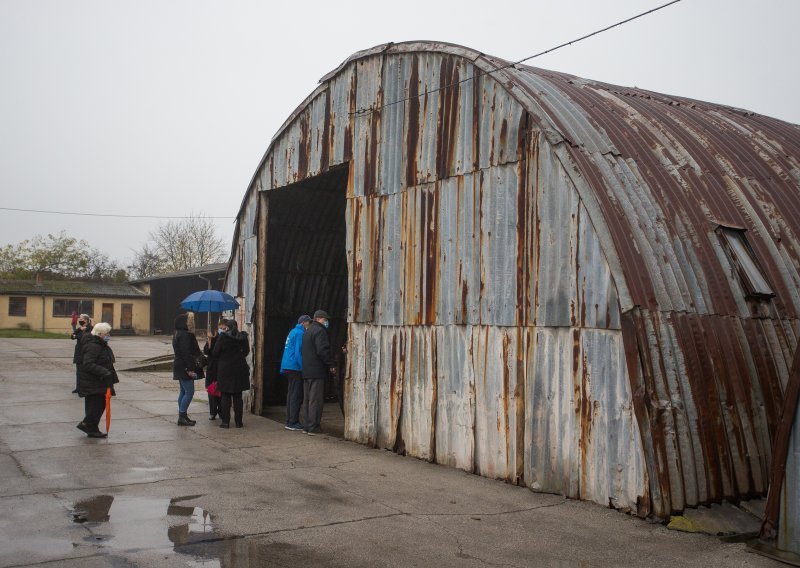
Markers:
{"x": 306, "y": 270}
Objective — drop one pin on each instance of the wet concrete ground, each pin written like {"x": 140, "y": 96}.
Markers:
{"x": 155, "y": 494}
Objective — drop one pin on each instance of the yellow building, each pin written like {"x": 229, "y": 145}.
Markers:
{"x": 48, "y": 305}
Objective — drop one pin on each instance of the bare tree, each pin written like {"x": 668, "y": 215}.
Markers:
{"x": 145, "y": 263}
{"x": 178, "y": 245}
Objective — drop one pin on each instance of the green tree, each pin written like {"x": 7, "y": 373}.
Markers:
{"x": 58, "y": 257}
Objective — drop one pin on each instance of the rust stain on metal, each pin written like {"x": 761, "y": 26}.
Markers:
{"x": 327, "y": 135}
{"x": 412, "y": 133}
{"x": 446, "y": 141}
{"x": 430, "y": 230}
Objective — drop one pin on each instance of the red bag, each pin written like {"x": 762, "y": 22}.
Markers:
{"x": 212, "y": 389}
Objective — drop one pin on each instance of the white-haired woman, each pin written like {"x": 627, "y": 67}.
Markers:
{"x": 96, "y": 374}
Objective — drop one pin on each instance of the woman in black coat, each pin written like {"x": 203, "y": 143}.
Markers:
{"x": 84, "y": 328}
{"x": 211, "y": 374}
{"x": 233, "y": 372}
{"x": 97, "y": 374}
{"x": 187, "y": 365}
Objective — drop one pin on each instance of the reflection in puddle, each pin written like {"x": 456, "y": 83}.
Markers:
{"x": 143, "y": 524}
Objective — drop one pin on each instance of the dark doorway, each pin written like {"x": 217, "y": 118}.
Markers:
{"x": 306, "y": 268}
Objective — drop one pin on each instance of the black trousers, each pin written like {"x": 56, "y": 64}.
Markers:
{"x": 314, "y": 393}
{"x": 95, "y": 405}
{"x": 214, "y": 405}
{"x": 238, "y": 407}
{"x": 294, "y": 397}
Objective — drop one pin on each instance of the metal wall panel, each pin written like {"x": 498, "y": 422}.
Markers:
{"x": 555, "y": 283}
{"x": 459, "y": 282}
{"x": 612, "y": 468}
{"x": 367, "y": 126}
{"x": 342, "y": 104}
{"x": 499, "y": 356}
{"x": 499, "y": 189}
{"x": 455, "y": 397}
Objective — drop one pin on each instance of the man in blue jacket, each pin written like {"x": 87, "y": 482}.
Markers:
{"x": 292, "y": 368}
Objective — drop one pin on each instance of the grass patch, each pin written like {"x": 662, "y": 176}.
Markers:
{"x": 31, "y": 334}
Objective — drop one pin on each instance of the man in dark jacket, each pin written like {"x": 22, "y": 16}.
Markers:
{"x": 318, "y": 363}
{"x": 96, "y": 375}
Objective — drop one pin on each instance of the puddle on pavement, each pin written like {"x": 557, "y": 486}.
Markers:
{"x": 143, "y": 524}
{"x": 131, "y": 524}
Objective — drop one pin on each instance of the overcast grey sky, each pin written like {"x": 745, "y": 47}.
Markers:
{"x": 165, "y": 107}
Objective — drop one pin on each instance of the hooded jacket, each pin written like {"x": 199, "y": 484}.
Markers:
{"x": 187, "y": 352}
{"x": 233, "y": 372}
{"x": 292, "y": 351}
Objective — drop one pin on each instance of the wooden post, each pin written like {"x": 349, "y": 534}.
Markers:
{"x": 259, "y": 319}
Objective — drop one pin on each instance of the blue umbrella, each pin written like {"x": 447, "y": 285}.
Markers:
{"x": 209, "y": 301}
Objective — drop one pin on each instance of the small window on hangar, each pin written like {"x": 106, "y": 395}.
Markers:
{"x": 743, "y": 259}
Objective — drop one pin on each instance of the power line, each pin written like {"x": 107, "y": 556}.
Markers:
{"x": 108, "y": 214}
{"x": 487, "y": 73}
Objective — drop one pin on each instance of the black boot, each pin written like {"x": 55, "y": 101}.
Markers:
{"x": 183, "y": 420}
{"x": 191, "y": 422}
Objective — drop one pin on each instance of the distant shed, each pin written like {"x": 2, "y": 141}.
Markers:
{"x": 169, "y": 289}
{"x": 588, "y": 289}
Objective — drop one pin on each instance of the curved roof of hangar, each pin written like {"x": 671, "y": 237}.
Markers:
{"x": 658, "y": 174}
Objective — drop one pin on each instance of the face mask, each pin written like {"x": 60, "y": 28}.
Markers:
{"x": 222, "y": 331}
{"x": 107, "y": 338}
{"x": 326, "y": 324}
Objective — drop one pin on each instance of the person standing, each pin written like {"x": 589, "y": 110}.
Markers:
{"x": 97, "y": 374}
{"x": 211, "y": 373}
{"x": 83, "y": 328}
{"x": 233, "y": 372}
{"x": 187, "y": 365}
{"x": 318, "y": 363}
{"x": 291, "y": 368}
{"x": 74, "y": 321}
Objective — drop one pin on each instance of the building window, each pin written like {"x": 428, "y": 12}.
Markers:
{"x": 744, "y": 261}
{"x": 63, "y": 308}
{"x": 17, "y": 307}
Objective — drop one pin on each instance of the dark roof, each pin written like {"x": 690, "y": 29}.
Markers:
{"x": 207, "y": 269}
{"x": 70, "y": 288}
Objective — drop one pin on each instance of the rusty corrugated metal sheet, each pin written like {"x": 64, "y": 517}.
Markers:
{"x": 536, "y": 288}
